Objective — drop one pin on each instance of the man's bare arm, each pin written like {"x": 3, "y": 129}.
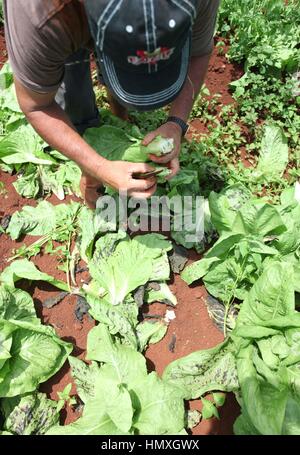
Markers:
{"x": 181, "y": 107}
{"x": 183, "y": 104}
{"x": 54, "y": 126}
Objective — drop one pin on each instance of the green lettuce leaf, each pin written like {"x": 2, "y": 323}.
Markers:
{"x": 123, "y": 364}
{"x": 259, "y": 219}
{"x": 36, "y": 354}
{"x": 162, "y": 294}
{"x": 158, "y": 405}
{"x": 224, "y": 205}
{"x": 94, "y": 421}
{"x": 265, "y": 403}
{"x": 114, "y": 144}
{"x": 204, "y": 371}
{"x": 132, "y": 264}
{"x": 61, "y": 179}
{"x": 16, "y": 304}
{"x": 243, "y": 426}
{"x": 160, "y": 146}
{"x": 120, "y": 319}
{"x": 23, "y": 146}
{"x": 38, "y": 220}
{"x": 150, "y": 332}
{"x": 291, "y": 424}
{"x": 8, "y": 97}
{"x": 29, "y": 414}
{"x": 26, "y": 269}
{"x": 43, "y": 219}
{"x": 28, "y": 184}
{"x": 197, "y": 269}
{"x": 273, "y": 157}
{"x": 118, "y": 143}
{"x": 272, "y": 296}
{"x": 84, "y": 376}
{"x": 122, "y": 398}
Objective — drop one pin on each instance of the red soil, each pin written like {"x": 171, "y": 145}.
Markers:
{"x": 220, "y": 73}
{"x": 3, "y": 52}
{"x": 192, "y": 327}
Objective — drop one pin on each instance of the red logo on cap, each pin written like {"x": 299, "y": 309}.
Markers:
{"x": 145, "y": 57}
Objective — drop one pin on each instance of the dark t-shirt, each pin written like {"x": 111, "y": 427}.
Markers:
{"x": 42, "y": 34}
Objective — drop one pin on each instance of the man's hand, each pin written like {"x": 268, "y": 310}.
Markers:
{"x": 168, "y": 130}
{"x": 53, "y": 125}
{"x": 119, "y": 175}
{"x": 181, "y": 107}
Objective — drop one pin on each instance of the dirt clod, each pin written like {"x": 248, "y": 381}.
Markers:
{"x": 5, "y": 221}
{"x": 139, "y": 296}
{"x": 178, "y": 258}
{"x": 52, "y": 301}
{"x": 172, "y": 343}
{"x": 82, "y": 308}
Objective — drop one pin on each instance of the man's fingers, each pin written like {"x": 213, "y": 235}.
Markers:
{"x": 161, "y": 159}
{"x": 141, "y": 168}
{"x": 143, "y": 194}
{"x": 174, "y": 168}
{"x": 142, "y": 184}
{"x": 149, "y": 138}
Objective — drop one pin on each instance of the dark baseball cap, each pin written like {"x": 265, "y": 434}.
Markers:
{"x": 143, "y": 48}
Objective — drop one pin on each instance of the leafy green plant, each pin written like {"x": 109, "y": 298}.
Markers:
{"x": 253, "y": 267}
{"x": 205, "y": 106}
{"x": 29, "y": 414}
{"x": 23, "y": 268}
{"x": 268, "y": 98}
{"x": 259, "y": 361}
{"x": 51, "y": 223}
{"x": 148, "y": 121}
{"x": 23, "y": 152}
{"x": 119, "y": 396}
{"x": 116, "y": 144}
{"x": 265, "y": 33}
{"x": 118, "y": 267}
{"x": 251, "y": 236}
{"x": 65, "y": 397}
{"x": 264, "y": 36}
{"x": 30, "y": 352}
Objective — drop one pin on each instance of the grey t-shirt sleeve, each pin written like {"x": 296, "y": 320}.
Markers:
{"x": 204, "y": 27}
{"x": 37, "y": 61}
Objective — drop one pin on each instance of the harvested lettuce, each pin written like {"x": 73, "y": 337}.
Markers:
{"x": 115, "y": 144}
{"x": 160, "y": 146}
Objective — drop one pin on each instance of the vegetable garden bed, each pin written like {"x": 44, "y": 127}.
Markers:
{"x": 252, "y": 144}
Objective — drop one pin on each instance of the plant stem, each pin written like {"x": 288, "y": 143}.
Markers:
{"x": 231, "y": 298}
{"x": 71, "y": 233}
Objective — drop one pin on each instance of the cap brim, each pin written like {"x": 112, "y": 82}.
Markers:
{"x": 149, "y": 90}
